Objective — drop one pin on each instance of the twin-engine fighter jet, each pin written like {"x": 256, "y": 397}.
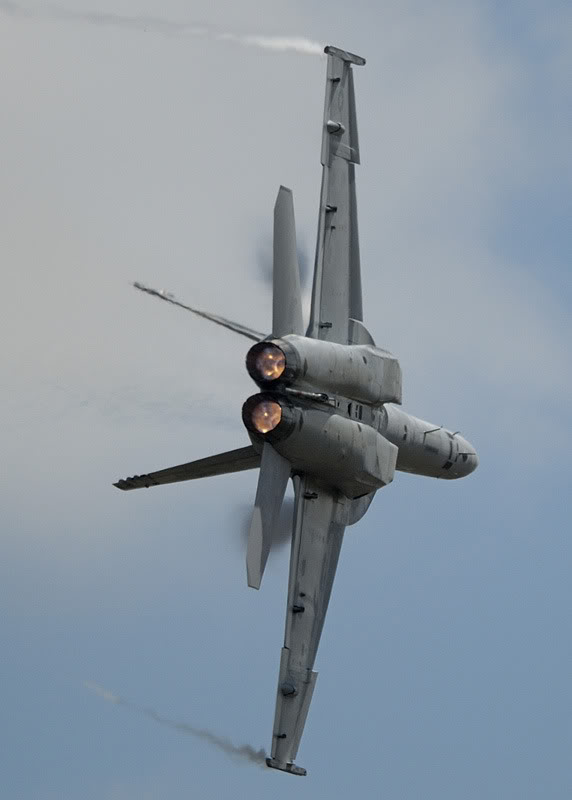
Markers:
{"x": 325, "y": 415}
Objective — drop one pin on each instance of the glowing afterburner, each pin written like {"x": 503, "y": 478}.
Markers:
{"x": 266, "y": 415}
{"x": 270, "y": 363}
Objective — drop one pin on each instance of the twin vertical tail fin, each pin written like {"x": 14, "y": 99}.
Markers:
{"x": 272, "y": 482}
{"x": 286, "y": 294}
{"x": 286, "y": 318}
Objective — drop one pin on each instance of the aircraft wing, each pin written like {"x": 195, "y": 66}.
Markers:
{"x": 336, "y": 292}
{"x": 316, "y": 543}
{"x": 221, "y": 464}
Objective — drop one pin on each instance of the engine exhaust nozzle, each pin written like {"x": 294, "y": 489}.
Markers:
{"x": 269, "y": 416}
{"x": 267, "y": 363}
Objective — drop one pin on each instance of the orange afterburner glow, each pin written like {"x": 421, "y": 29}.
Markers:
{"x": 266, "y": 416}
{"x": 270, "y": 363}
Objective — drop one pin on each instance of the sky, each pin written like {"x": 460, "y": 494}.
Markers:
{"x": 144, "y": 141}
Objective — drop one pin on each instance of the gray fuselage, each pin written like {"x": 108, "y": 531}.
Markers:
{"x": 426, "y": 449}
{"x": 339, "y": 419}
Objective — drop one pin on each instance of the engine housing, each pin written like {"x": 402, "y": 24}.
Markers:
{"x": 362, "y": 372}
{"x": 347, "y": 454}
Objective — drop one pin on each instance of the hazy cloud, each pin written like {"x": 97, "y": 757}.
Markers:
{"x": 156, "y": 155}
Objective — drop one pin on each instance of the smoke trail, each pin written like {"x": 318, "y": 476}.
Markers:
{"x": 164, "y": 27}
{"x": 244, "y": 751}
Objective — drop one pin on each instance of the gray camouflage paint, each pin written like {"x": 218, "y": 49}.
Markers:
{"x": 340, "y": 437}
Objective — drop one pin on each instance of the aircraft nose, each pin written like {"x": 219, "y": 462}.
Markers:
{"x": 468, "y": 457}
{"x": 473, "y": 462}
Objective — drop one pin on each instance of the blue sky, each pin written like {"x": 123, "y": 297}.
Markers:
{"x": 444, "y": 669}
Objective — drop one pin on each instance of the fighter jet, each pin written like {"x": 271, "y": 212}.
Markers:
{"x": 326, "y": 414}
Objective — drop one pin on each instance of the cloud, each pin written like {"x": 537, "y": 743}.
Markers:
{"x": 158, "y": 157}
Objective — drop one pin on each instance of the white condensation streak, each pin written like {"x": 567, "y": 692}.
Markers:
{"x": 163, "y": 27}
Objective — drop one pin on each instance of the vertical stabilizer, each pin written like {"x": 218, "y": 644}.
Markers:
{"x": 286, "y": 294}
{"x": 272, "y": 482}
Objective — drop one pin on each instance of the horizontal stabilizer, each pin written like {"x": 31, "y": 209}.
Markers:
{"x": 254, "y": 336}
{"x": 221, "y": 464}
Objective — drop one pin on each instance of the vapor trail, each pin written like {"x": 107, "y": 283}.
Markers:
{"x": 244, "y": 751}
{"x": 163, "y": 26}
